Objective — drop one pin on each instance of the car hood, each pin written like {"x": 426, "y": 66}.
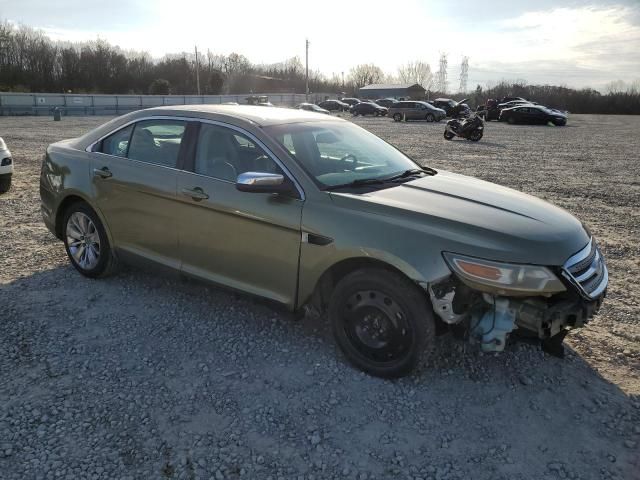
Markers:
{"x": 466, "y": 215}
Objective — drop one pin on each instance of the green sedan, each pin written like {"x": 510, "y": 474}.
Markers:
{"x": 320, "y": 215}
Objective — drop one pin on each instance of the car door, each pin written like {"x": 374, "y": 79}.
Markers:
{"x": 134, "y": 181}
{"x": 247, "y": 241}
{"x": 538, "y": 116}
{"x": 407, "y": 110}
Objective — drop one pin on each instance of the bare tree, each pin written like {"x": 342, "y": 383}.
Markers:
{"x": 416, "y": 72}
{"x": 365, "y": 74}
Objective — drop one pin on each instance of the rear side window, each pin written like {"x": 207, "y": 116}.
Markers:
{"x": 157, "y": 142}
{"x": 117, "y": 143}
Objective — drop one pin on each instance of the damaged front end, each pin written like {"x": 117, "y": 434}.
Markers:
{"x": 492, "y": 299}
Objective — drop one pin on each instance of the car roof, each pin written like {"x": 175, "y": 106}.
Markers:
{"x": 263, "y": 116}
{"x": 245, "y": 116}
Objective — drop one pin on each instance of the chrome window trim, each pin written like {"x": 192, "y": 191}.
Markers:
{"x": 273, "y": 157}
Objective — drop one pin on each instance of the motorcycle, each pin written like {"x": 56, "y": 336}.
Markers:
{"x": 471, "y": 127}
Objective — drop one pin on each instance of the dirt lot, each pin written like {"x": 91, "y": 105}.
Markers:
{"x": 145, "y": 376}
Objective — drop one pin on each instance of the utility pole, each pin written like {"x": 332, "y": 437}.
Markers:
{"x": 342, "y": 81}
{"x": 306, "y": 94}
{"x": 197, "y": 71}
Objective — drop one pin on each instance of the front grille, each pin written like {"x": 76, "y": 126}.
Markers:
{"x": 587, "y": 270}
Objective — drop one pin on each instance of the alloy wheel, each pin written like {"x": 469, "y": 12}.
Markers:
{"x": 83, "y": 240}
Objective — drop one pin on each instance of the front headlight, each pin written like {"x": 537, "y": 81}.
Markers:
{"x": 504, "y": 278}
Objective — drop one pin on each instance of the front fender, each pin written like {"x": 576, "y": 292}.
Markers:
{"x": 353, "y": 235}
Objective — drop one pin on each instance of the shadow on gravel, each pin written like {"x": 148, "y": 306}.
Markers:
{"x": 481, "y": 143}
{"x": 165, "y": 377}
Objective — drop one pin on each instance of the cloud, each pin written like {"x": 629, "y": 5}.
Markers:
{"x": 578, "y": 43}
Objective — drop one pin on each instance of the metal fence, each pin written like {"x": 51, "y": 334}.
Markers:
{"x": 71, "y": 104}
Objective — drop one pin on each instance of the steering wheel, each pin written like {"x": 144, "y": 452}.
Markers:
{"x": 349, "y": 164}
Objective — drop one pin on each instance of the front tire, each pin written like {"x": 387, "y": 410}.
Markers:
{"x": 430, "y": 118}
{"x": 397, "y": 117}
{"x": 86, "y": 242}
{"x": 448, "y": 135}
{"x": 381, "y": 321}
{"x": 510, "y": 121}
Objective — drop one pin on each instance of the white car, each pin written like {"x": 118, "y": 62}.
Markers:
{"x": 6, "y": 167}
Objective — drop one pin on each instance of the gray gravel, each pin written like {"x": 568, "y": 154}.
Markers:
{"x": 149, "y": 376}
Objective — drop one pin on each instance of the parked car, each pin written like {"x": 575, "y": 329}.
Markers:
{"x": 368, "y": 108}
{"x": 386, "y": 102}
{"x": 513, "y": 103}
{"x": 350, "y": 101}
{"x": 335, "y": 105}
{"x": 511, "y": 99}
{"x": 320, "y": 215}
{"x": 416, "y": 110}
{"x": 532, "y": 115}
{"x": 261, "y": 100}
{"x": 6, "y": 167}
{"x": 311, "y": 107}
{"x": 445, "y": 104}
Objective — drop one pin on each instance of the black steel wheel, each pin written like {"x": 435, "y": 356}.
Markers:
{"x": 381, "y": 321}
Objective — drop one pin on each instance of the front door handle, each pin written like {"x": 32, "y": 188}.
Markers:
{"x": 196, "y": 193}
{"x": 103, "y": 172}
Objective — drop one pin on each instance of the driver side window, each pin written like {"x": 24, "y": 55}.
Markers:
{"x": 224, "y": 153}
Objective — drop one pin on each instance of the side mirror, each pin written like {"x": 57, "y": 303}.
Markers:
{"x": 260, "y": 182}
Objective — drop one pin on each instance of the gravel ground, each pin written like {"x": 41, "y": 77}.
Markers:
{"x": 146, "y": 376}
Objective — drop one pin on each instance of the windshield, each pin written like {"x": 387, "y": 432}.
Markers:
{"x": 340, "y": 153}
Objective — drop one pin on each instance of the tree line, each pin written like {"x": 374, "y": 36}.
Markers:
{"x": 32, "y": 62}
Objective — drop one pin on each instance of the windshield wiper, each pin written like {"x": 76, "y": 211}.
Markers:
{"x": 381, "y": 181}
{"x": 410, "y": 173}
{"x": 358, "y": 183}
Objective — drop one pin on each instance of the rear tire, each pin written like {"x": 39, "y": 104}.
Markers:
{"x": 381, "y": 321}
{"x": 86, "y": 242}
{"x": 510, "y": 121}
{"x": 5, "y": 184}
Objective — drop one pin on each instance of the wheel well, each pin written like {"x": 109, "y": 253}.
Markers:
{"x": 64, "y": 205}
{"x": 330, "y": 278}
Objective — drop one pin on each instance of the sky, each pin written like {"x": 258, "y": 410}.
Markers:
{"x": 585, "y": 43}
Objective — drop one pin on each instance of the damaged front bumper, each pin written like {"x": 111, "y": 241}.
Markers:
{"x": 491, "y": 317}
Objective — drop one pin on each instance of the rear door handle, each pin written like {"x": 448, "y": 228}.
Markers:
{"x": 103, "y": 172}
{"x": 196, "y": 193}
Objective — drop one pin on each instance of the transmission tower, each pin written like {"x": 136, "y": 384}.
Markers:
{"x": 464, "y": 74}
{"x": 441, "y": 76}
